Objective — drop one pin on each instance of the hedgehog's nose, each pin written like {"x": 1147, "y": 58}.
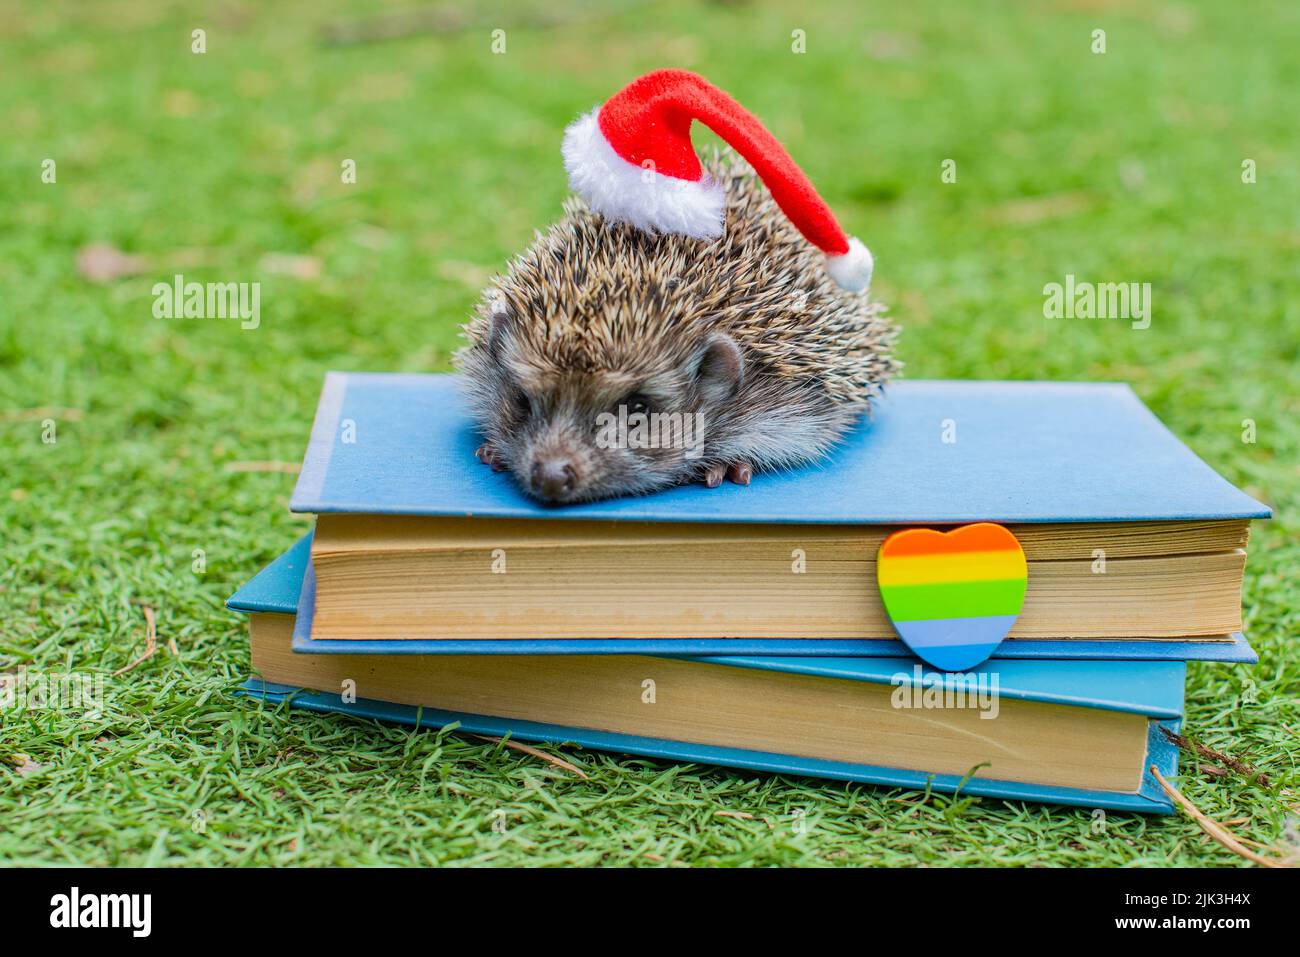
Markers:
{"x": 553, "y": 478}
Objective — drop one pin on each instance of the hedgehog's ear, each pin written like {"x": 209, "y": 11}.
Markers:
{"x": 720, "y": 369}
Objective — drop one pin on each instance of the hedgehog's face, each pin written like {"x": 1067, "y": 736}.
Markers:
{"x": 577, "y": 434}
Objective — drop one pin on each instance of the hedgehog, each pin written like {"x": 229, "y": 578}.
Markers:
{"x": 677, "y": 324}
{"x": 597, "y": 322}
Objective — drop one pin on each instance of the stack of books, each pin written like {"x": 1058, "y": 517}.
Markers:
{"x": 743, "y": 626}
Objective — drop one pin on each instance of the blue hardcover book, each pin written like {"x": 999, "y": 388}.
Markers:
{"x": 934, "y": 453}
{"x": 286, "y": 588}
{"x": 1148, "y": 798}
{"x": 1082, "y": 733}
{"x": 408, "y": 519}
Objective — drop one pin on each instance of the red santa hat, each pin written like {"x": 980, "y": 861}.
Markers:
{"x": 631, "y": 159}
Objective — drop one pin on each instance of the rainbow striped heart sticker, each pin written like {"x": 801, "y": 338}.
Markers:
{"x": 952, "y": 596}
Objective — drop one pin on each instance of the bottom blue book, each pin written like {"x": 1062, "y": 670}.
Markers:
{"x": 1081, "y": 732}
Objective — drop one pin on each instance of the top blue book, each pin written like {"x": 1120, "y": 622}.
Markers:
{"x": 935, "y": 452}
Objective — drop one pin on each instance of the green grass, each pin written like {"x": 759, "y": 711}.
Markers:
{"x": 1117, "y": 167}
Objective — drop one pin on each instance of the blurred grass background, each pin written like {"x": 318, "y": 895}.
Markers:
{"x": 1116, "y": 167}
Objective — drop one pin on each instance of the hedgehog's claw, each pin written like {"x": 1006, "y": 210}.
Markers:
{"x": 741, "y": 473}
{"x": 738, "y": 472}
{"x": 488, "y": 455}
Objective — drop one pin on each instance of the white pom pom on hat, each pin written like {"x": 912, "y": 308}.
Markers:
{"x": 851, "y": 270}
{"x": 632, "y": 160}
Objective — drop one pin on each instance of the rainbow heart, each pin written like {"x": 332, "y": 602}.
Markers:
{"x": 952, "y": 596}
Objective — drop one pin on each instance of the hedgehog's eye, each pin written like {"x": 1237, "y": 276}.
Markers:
{"x": 522, "y": 404}
{"x": 636, "y": 403}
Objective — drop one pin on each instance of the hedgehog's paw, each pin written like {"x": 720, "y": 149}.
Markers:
{"x": 488, "y": 455}
{"x": 739, "y": 472}
{"x": 713, "y": 475}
